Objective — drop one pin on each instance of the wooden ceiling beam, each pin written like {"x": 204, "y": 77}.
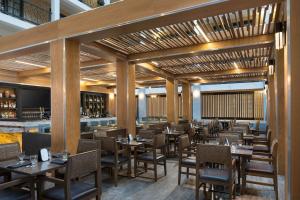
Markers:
{"x": 151, "y": 69}
{"x": 202, "y": 49}
{"x": 230, "y": 80}
{"x": 223, "y": 72}
{"x": 86, "y": 65}
{"x": 132, "y": 17}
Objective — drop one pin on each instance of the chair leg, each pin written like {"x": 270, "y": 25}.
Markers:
{"x": 165, "y": 167}
{"x": 179, "y": 175}
{"x": 275, "y": 181}
{"x": 116, "y": 176}
{"x": 197, "y": 190}
{"x": 187, "y": 172}
{"x": 155, "y": 171}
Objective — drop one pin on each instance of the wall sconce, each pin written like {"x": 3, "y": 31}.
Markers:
{"x": 153, "y": 96}
{"x": 141, "y": 95}
{"x": 196, "y": 93}
{"x": 111, "y": 96}
{"x": 280, "y": 29}
{"x": 271, "y": 67}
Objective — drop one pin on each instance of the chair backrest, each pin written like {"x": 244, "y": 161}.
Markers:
{"x": 82, "y": 164}
{"x": 274, "y": 149}
{"x": 269, "y": 134}
{"x": 108, "y": 144}
{"x": 207, "y": 153}
{"x": 183, "y": 142}
{"x": 85, "y": 145}
{"x": 9, "y": 151}
{"x": 159, "y": 141}
{"x": 117, "y": 132}
{"x": 232, "y": 137}
{"x": 146, "y": 133}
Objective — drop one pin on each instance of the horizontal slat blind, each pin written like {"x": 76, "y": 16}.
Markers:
{"x": 239, "y": 105}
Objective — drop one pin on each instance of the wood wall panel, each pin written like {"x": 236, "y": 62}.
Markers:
{"x": 240, "y": 105}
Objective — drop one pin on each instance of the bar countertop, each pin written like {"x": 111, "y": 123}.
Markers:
{"x": 21, "y": 126}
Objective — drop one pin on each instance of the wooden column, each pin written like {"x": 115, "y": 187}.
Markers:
{"x": 121, "y": 68}
{"x": 65, "y": 95}
{"x": 186, "y": 101}
{"x": 172, "y": 100}
{"x": 126, "y": 106}
{"x": 280, "y": 109}
{"x": 271, "y": 102}
{"x": 131, "y": 103}
{"x": 293, "y": 95}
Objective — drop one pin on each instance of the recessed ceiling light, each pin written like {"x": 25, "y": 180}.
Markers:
{"x": 32, "y": 64}
{"x": 235, "y": 65}
{"x": 155, "y": 63}
{"x": 89, "y": 79}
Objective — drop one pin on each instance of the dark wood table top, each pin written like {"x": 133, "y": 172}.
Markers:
{"x": 38, "y": 169}
{"x": 243, "y": 151}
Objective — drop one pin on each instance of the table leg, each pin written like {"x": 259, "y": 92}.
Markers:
{"x": 243, "y": 174}
{"x": 129, "y": 161}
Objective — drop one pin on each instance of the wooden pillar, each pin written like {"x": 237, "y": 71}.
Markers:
{"x": 126, "y": 105}
{"x": 172, "y": 100}
{"x": 121, "y": 68}
{"x": 65, "y": 95}
{"x": 272, "y": 110}
{"x": 186, "y": 101}
{"x": 293, "y": 95}
{"x": 131, "y": 103}
{"x": 280, "y": 109}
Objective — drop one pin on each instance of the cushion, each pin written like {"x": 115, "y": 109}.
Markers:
{"x": 78, "y": 190}
{"x": 149, "y": 156}
{"x": 189, "y": 161}
{"x": 261, "y": 167}
{"x": 212, "y": 174}
{"x": 9, "y": 194}
{"x": 110, "y": 159}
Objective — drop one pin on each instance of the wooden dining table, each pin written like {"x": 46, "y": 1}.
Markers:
{"x": 40, "y": 168}
{"x": 132, "y": 145}
{"x": 172, "y": 134}
{"x": 243, "y": 152}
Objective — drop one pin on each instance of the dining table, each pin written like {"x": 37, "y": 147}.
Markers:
{"x": 132, "y": 145}
{"x": 243, "y": 153}
{"x": 172, "y": 134}
{"x": 26, "y": 168}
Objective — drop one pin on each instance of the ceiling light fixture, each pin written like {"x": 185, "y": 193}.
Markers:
{"x": 155, "y": 63}
{"x": 235, "y": 65}
{"x": 32, "y": 64}
{"x": 199, "y": 31}
{"x": 271, "y": 67}
{"x": 89, "y": 79}
{"x": 143, "y": 43}
{"x": 280, "y": 28}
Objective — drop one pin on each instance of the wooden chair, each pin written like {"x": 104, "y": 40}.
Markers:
{"x": 8, "y": 151}
{"x": 113, "y": 157}
{"x": 187, "y": 157}
{"x": 73, "y": 187}
{"x": 221, "y": 176}
{"x": 10, "y": 190}
{"x": 84, "y": 145}
{"x": 264, "y": 167}
{"x": 262, "y": 146}
{"x": 151, "y": 156}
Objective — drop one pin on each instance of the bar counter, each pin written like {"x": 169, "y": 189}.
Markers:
{"x": 43, "y": 125}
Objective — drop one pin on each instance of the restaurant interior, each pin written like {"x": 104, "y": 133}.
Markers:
{"x": 153, "y": 100}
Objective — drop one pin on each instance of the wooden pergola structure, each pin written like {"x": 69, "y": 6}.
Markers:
{"x": 138, "y": 43}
